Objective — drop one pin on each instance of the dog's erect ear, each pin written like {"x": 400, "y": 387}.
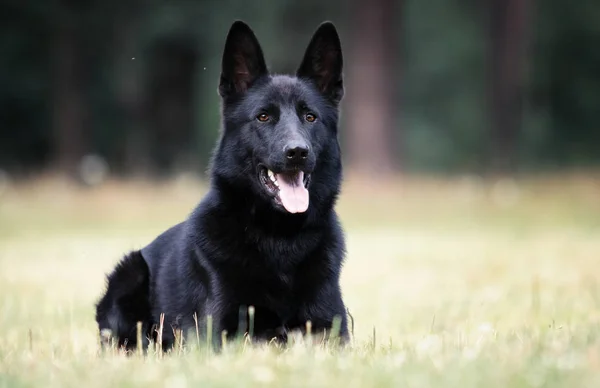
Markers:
{"x": 323, "y": 62}
{"x": 243, "y": 61}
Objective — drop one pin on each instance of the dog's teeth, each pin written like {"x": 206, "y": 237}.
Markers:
{"x": 272, "y": 177}
{"x": 276, "y": 183}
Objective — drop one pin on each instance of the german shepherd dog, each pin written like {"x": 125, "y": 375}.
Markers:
{"x": 266, "y": 234}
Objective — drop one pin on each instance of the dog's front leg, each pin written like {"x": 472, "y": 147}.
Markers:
{"x": 321, "y": 312}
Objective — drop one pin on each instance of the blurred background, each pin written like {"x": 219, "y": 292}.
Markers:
{"x": 128, "y": 88}
{"x": 476, "y": 123}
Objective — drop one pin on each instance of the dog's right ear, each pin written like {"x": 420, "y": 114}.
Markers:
{"x": 243, "y": 61}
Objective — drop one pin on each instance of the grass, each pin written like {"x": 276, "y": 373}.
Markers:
{"x": 451, "y": 282}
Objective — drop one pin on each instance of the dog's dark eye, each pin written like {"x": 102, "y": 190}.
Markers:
{"x": 263, "y": 117}
{"x": 310, "y": 117}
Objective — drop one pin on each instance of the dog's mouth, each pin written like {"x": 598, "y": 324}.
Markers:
{"x": 289, "y": 189}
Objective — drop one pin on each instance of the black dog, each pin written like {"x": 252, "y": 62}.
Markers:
{"x": 266, "y": 234}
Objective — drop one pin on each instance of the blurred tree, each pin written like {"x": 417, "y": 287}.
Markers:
{"x": 372, "y": 79}
{"x": 508, "y": 51}
{"x": 25, "y": 133}
{"x": 443, "y": 86}
{"x": 135, "y": 81}
{"x": 565, "y": 125}
{"x": 70, "y": 100}
{"x": 133, "y": 156}
{"x": 170, "y": 98}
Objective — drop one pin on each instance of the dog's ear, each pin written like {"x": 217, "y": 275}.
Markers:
{"x": 322, "y": 63}
{"x": 243, "y": 61}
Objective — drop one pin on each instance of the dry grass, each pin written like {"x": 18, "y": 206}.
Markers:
{"x": 467, "y": 283}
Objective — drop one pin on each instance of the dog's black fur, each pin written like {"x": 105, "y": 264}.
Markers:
{"x": 240, "y": 246}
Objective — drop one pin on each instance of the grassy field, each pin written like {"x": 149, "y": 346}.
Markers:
{"x": 452, "y": 283}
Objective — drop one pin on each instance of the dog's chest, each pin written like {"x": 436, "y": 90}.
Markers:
{"x": 259, "y": 277}
{"x": 259, "y": 268}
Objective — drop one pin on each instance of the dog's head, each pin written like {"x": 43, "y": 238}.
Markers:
{"x": 279, "y": 137}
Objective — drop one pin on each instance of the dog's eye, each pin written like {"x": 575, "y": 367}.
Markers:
{"x": 310, "y": 117}
{"x": 263, "y": 117}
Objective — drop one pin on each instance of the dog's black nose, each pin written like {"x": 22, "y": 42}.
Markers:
{"x": 296, "y": 153}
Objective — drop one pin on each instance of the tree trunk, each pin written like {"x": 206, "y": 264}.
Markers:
{"x": 372, "y": 79}
{"x": 69, "y": 99}
{"x": 134, "y": 155}
{"x": 508, "y": 44}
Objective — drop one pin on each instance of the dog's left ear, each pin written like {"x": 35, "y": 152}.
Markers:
{"x": 323, "y": 62}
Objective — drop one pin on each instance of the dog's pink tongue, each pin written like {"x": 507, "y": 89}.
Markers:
{"x": 292, "y": 192}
